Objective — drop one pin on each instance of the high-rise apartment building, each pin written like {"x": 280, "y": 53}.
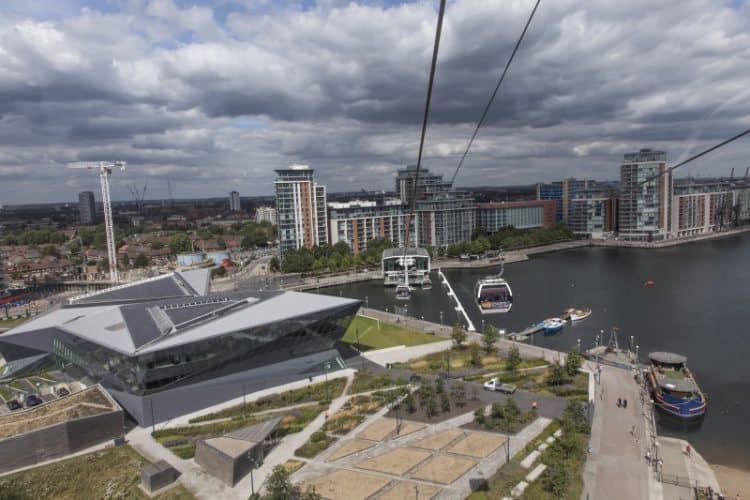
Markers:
{"x": 300, "y": 209}
{"x": 234, "y": 201}
{"x": 645, "y": 196}
{"x": 356, "y": 222}
{"x": 563, "y": 192}
{"x": 86, "y": 207}
{"x": 594, "y": 213}
{"x": 443, "y": 216}
{"x": 702, "y": 206}
{"x": 265, "y": 214}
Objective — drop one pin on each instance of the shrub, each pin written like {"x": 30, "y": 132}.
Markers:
{"x": 476, "y": 356}
{"x": 318, "y": 436}
{"x": 573, "y": 362}
{"x": 491, "y": 335}
{"x": 431, "y": 407}
{"x": 556, "y": 374}
{"x": 458, "y": 335}
{"x": 513, "y": 359}
{"x": 479, "y": 416}
{"x": 439, "y": 386}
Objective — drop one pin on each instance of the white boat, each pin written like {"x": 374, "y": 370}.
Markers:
{"x": 552, "y": 325}
{"x": 426, "y": 284}
{"x": 574, "y": 314}
{"x": 403, "y": 292}
{"x": 493, "y": 295}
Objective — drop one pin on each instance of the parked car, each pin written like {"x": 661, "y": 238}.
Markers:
{"x": 62, "y": 391}
{"x": 415, "y": 379}
{"x": 13, "y": 404}
{"x": 32, "y": 400}
{"x": 495, "y": 385}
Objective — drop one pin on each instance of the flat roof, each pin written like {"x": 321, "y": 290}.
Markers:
{"x": 668, "y": 358}
{"x": 390, "y": 253}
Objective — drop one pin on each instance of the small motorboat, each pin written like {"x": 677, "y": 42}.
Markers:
{"x": 572, "y": 314}
{"x": 426, "y": 284}
{"x": 552, "y": 325}
{"x": 403, "y": 292}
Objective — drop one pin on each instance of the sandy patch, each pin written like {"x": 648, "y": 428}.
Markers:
{"x": 478, "y": 444}
{"x": 349, "y": 448}
{"x": 386, "y": 428}
{"x": 439, "y": 440}
{"x": 444, "y": 469}
{"x": 346, "y": 485}
{"x": 410, "y": 491}
{"x": 733, "y": 481}
{"x": 396, "y": 462}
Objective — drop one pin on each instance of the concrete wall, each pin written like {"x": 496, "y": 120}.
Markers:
{"x": 215, "y": 462}
{"x": 59, "y": 440}
{"x": 402, "y": 354}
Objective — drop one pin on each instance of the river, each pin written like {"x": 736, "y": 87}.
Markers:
{"x": 700, "y": 307}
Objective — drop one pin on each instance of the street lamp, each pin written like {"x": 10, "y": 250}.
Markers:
{"x": 441, "y": 317}
{"x": 483, "y": 326}
{"x": 579, "y": 345}
{"x": 637, "y": 349}
{"x": 367, "y": 301}
{"x": 253, "y": 465}
{"x": 326, "y": 367}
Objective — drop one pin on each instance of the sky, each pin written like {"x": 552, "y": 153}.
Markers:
{"x": 212, "y": 96}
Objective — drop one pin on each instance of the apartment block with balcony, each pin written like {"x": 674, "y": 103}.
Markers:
{"x": 300, "y": 209}
{"x": 358, "y": 221}
{"x": 492, "y": 217}
{"x": 645, "y": 196}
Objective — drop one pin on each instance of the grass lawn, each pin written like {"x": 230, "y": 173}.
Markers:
{"x": 372, "y": 336}
{"x": 11, "y": 323}
{"x": 182, "y": 440}
{"x": 110, "y": 473}
{"x": 366, "y": 382}
{"x": 318, "y": 442}
{"x": 460, "y": 359}
{"x": 312, "y": 393}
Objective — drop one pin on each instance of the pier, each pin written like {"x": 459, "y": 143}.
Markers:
{"x": 459, "y": 307}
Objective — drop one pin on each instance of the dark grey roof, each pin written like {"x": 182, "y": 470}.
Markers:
{"x": 256, "y": 433}
{"x": 410, "y": 252}
{"x": 159, "y": 288}
{"x": 668, "y": 358}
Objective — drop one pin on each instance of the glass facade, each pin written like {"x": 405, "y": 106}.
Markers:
{"x": 207, "y": 359}
{"x": 645, "y": 195}
{"x": 300, "y": 209}
{"x": 492, "y": 220}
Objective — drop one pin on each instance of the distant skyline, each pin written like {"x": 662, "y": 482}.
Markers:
{"x": 216, "y": 95}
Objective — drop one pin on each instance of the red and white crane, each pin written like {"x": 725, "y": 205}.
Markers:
{"x": 105, "y": 170}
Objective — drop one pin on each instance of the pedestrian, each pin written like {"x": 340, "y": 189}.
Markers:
{"x": 648, "y": 457}
{"x": 632, "y": 431}
{"x": 624, "y": 403}
{"x": 533, "y": 405}
{"x": 619, "y": 402}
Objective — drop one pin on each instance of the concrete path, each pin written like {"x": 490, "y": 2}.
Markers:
{"x": 285, "y": 449}
{"x": 680, "y": 471}
{"x": 616, "y": 468}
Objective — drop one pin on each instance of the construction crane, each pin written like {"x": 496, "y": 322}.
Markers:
{"x": 139, "y": 196}
{"x": 105, "y": 170}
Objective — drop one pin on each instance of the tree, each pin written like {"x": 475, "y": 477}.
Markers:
{"x": 141, "y": 260}
{"x": 513, "y": 360}
{"x": 491, "y": 335}
{"x": 221, "y": 244}
{"x": 476, "y": 357}
{"x": 573, "y": 362}
{"x": 278, "y": 486}
{"x": 458, "y": 335}
{"x": 556, "y": 374}
{"x": 479, "y": 416}
{"x": 157, "y": 245}
{"x": 274, "y": 264}
{"x": 574, "y": 417}
{"x": 430, "y": 407}
{"x": 125, "y": 260}
{"x": 180, "y": 243}
{"x": 511, "y": 411}
{"x": 218, "y": 272}
{"x": 439, "y": 386}
{"x": 409, "y": 403}
{"x": 445, "y": 403}
{"x": 50, "y": 250}
{"x": 247, "y": 242}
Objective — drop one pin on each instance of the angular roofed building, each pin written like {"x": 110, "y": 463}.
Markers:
{"x": 164, "y": 347}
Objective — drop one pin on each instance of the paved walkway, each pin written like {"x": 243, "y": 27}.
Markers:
{"x": 616, "y": 468}
{"x": 285, "y": 449}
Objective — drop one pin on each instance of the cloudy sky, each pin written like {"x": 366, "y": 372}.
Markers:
{"x": 216, "y": 94}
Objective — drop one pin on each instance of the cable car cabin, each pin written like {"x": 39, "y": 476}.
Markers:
{"x": 493, "y": 296}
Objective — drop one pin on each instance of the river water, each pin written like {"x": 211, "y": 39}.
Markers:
{"x": 700, "y": 307}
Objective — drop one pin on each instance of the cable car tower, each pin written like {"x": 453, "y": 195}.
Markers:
{"x": 105, "y": 170}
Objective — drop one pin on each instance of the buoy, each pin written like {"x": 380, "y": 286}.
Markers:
{"x": 650, "y": 283}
